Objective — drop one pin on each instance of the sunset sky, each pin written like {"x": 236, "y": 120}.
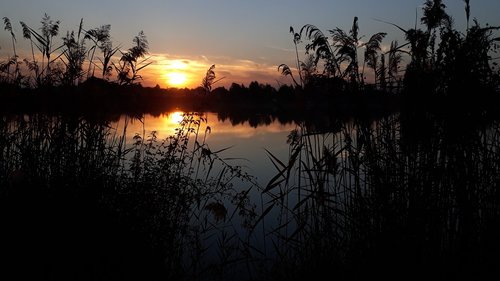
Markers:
{"x": 246, "y": 40}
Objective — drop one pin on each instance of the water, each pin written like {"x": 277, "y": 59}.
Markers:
{"x": 402, "y": 193}
{"x": 391, "y": 184}
{"x": 246, "y": 144}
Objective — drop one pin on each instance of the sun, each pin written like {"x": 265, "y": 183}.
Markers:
{"x": 175, "y": 73}
{"x": 176, "y": 78}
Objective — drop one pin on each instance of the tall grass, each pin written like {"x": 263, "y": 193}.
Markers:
{"x": 361, "y": 198}
{"x": 62, "y": 63}
{"x": 175, "y": 192}
{"x": 386, "y": 197}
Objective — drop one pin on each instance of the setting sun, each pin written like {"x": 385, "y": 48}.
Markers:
{"x": 175, "y": 73}
{"x": 176, "y": 78}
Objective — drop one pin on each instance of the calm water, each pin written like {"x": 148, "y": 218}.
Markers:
{"x": 247, "y": 143}
{"x": 404, "y": 194}
{"x": 417, "y": 187}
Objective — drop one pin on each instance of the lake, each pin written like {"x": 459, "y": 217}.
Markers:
{"x": 246, "y": 143}
{"x": 239, "y": 197}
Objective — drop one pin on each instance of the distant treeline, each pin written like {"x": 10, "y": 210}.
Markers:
{"x": 96, "y": 95}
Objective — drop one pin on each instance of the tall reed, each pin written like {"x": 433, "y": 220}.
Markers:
{"x": 177, "y": 192}
{"x": 386, "y": 197}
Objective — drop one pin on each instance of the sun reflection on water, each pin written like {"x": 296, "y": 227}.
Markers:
{"x": 175, "y": 117}
{"x": 221, "y": 131}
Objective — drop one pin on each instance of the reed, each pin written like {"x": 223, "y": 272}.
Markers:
{"x": 386, "y": 197}
{"x": 175, "y": 192}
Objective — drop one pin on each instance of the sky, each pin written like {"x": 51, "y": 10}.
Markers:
{"x": 245, "y": 39}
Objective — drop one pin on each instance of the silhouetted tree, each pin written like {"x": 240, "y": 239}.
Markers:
{"x": 220, "y": 92}
{"x": 238, "y": 90}
{"x": 285, "y": 91}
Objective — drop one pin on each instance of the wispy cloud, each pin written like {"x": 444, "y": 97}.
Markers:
{"x": 241, "y": 71}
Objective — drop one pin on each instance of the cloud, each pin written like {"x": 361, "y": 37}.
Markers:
{"x": 235, "y": 70}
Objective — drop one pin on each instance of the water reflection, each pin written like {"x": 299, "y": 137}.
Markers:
{"x": 221, "y": 198}
{"x": 166, "y": 124}
{"x": 247, "y": 143}
{"x": 402, "y": 194}
{"x": 412, "y": 191}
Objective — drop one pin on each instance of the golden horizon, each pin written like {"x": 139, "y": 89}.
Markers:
{"x": 169, "y": 71}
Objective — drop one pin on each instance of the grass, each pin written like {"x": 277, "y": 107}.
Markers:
{"x": 401, "y": 195}
{"x": 153, "y": 209}
{"x": 411, "y": 192}
{"x": 358, "y": 198}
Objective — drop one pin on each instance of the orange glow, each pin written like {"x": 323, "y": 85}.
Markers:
{"x": 177, "y": 64}
{"x": 167, "y": 123}
{"x": 176, "y": 79}
{"x": 165, "y": 126}
{"x": 175, "y": 117}
{"x": 169, "y": 71}
{"x": 175, "y": 73}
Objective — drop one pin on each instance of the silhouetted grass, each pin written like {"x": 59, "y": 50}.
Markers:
{"x": 403, "y": 193}
{"x": 76, "y": 194}
{"x": 387, "y": 198}
{"x": 441, "y": 63}
{"x": 413, "y": 191}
